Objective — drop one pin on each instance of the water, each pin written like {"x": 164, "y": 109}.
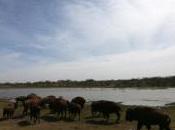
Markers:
{"x": 149, "y": 97}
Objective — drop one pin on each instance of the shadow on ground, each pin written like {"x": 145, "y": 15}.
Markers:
{"x": 15, "y": 117}
{"x": 100, "y": 122}
{"x": 92, "y": 117}
{"x": 24, "y": 123}
{"x": 49, "y": 118}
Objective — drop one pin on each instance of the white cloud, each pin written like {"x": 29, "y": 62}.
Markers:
{"x": 121, "y": 66}
{"x": 105, "y": 39}
{"x": 133, "y": 23}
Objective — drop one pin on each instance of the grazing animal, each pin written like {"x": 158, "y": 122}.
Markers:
{"x": 148, "y": 116}
{"x": 35, "y": 101}
{"x": 35, "y": 113}
{"x": 26, "y": 106}
{"x": 95, "y": 108}
{"x": 106, "y": 108}
{"x": 79, "y": 100}
{"x": 32, "y": 107}
{"x": 60, "y": 106}
{"x": 74, "y": 110}
{"x": 49, "y": 100}
{"x": 8, "y": 111}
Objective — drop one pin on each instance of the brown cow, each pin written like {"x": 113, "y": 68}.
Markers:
{"x": 148, "y": 116}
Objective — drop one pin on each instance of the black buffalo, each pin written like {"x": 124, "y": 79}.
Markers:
{"x": 49, "y": 100}
{"x": 148, "y": 116}
{"x": 79, "y": 100}
{"x": 60, "y": 106}
{"x": 35, "y": 113}
{"x": 74, "y": 110}
{"x": 106, "y": 108}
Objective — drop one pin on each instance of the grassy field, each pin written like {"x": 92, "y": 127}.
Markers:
{"x": 50, "y": 121}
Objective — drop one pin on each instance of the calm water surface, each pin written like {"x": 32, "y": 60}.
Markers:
{"x": 150, "y": 97}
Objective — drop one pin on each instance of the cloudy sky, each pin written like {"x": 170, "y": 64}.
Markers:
{"x": 83, "y": 39}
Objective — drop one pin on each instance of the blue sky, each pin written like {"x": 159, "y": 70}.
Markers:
{"x": 80, "y": 39}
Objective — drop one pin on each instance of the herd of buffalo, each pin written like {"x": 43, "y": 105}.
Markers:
{"x": 32, "y": 105}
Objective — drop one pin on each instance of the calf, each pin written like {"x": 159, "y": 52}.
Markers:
{"x": 8, "y": 111}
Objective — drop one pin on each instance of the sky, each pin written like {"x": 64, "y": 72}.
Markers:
{"x": 79, "y": 39}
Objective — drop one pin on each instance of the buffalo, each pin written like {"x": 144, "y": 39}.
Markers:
{"x": 60, "y": 106}
{"x": 35, "y": 113}
{"x": 33, "y": 105}
{"x": 106, "y": 108}
{"x": 95, "y": 108}
{"x": 49, "y": 100}
{"x": 31, "y": 95}
{"x": 79, "y": 100}
{"x": 148, "y": 116}
{"x": 8, "y": 111}
{"x": 74, "y": 110}
{"x": 34, "y": 101}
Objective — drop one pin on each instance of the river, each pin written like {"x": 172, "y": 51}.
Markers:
{"x": 128, "y": 96}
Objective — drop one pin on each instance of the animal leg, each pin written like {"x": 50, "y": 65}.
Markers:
{"x": 148, "y": 127}
{"x": 69, "y": 115}
{"x": 139, "y": 125}
{"x": 107, "y": 117}
{"x": 79, "y": 115}
{"x": 58, "y": 115}
{"x": 118, "y": 117}
{"x": 31, "y": 117}
{"x": 65, "y": 114}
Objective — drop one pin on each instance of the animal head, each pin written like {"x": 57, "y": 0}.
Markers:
{"x": 118, "y": 107}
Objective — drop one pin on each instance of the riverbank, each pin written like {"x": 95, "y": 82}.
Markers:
{"x": 50, "y": 122}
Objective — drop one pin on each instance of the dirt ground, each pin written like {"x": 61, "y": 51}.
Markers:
{"x": 51, "y": 122}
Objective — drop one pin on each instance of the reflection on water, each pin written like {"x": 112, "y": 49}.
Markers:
{"x": 150, "y": 97}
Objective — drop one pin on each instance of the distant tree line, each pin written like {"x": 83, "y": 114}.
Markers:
{"x": 139, "y": 83}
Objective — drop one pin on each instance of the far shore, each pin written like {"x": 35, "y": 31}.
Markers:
{"x": 139, "y": 83}
{"x": 86, "y": 87}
